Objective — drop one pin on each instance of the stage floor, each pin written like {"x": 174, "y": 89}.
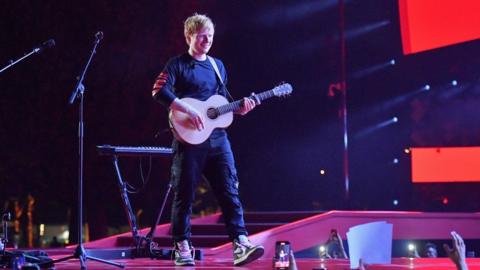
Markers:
{"x": 302, "y": 264}
{"x": 303, "y": 233}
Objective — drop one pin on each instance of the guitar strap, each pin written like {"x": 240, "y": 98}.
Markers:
{"x": 215, "y": 67}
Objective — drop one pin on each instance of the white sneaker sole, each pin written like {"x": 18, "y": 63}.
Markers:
{"x": 249, "y": 257}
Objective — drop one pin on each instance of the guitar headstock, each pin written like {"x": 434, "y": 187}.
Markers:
{"x": 283, "y": 89}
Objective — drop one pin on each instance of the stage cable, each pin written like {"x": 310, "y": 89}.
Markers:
{"x": 145, "y": 179}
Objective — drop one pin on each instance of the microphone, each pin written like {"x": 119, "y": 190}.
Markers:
{"x": 47, "y": 44}
{"x": 99, "y": 35}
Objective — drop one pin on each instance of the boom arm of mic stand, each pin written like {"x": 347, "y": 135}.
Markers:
{"x": 36, "y": 50}
{"x": 80, "y": 88}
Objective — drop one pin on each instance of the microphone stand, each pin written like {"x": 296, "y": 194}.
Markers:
{"x": 7, "y": 258}
{"x": 79, "y": 90}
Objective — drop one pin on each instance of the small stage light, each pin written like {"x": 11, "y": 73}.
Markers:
{"x": 411, "y": 250}
{"x": 65, "y": 235}
{"x": 322, "y": 172}
{"x": 395, "y": 119}
{"x": 322, "y": 252}
{"x": 406, "y": 150}
{"x": 445, "y": 200}
{"x": 395, "y": 161}
{"x": 426, "y": 87}
{"x": 392, "y": 62}
{"x": 454, "y": 83}
{"x": 41, "y": 229}
{"x": 395, "y": 202}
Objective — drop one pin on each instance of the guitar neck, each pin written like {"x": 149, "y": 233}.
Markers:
{"x": 233, "y": 106}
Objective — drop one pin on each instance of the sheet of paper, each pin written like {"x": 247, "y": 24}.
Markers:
{"x": 372, "y": 242}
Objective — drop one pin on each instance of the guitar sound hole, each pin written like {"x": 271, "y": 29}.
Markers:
{"x": 212, "y": 113}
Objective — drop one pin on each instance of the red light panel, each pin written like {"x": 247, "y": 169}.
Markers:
{"x": 445, "y": 164}
{"x": 430, "y": 24}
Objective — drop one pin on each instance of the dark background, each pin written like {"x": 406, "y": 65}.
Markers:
{"x": 280, "y": 148}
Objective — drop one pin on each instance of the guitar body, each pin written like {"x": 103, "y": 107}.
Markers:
{"x": 185, "y": 132}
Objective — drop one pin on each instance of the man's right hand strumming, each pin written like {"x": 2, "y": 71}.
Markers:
{"x": 194, "y": 115}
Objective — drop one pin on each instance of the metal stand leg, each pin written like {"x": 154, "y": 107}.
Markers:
{"x": 132, "y": 220}
{"x": 151, "y": 233}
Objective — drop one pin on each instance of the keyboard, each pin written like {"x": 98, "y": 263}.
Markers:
{"x": 111, "y": 150}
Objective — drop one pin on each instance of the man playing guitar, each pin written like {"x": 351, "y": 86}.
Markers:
{"x": 198, "y": 76}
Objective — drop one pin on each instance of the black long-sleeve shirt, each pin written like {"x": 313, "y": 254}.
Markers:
{"x": 184, "y": 76}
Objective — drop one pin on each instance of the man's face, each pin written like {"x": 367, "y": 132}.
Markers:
{"x": 431, "y": 252}
{"x": 201, "y": 41}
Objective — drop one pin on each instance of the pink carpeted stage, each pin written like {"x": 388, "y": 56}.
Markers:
{"x": 304, "y": 230}
{"x": 265, "y": 263}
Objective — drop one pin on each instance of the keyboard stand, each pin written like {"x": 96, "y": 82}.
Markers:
{"x": 144, "y": 245}
{"x": 132, "y": 220}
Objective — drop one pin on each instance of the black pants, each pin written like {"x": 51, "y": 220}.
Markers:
{"x": 213, "y": 158}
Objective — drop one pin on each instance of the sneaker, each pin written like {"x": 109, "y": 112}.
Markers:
{"x": 245, "y": 252}
{"x": 184, "y": 253}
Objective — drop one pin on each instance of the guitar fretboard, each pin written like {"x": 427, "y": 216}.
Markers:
{"x": 233, "y": 106}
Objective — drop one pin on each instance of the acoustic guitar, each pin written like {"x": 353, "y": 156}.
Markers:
{"x": 217, "y": 112}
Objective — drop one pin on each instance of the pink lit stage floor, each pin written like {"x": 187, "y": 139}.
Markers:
{"x": 303, "y": 232}
{"x": 265, "y": 263}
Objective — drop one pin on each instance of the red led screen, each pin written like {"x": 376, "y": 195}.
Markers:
{"x": 429, "y": 24}
{"x": 445, "y": 164}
